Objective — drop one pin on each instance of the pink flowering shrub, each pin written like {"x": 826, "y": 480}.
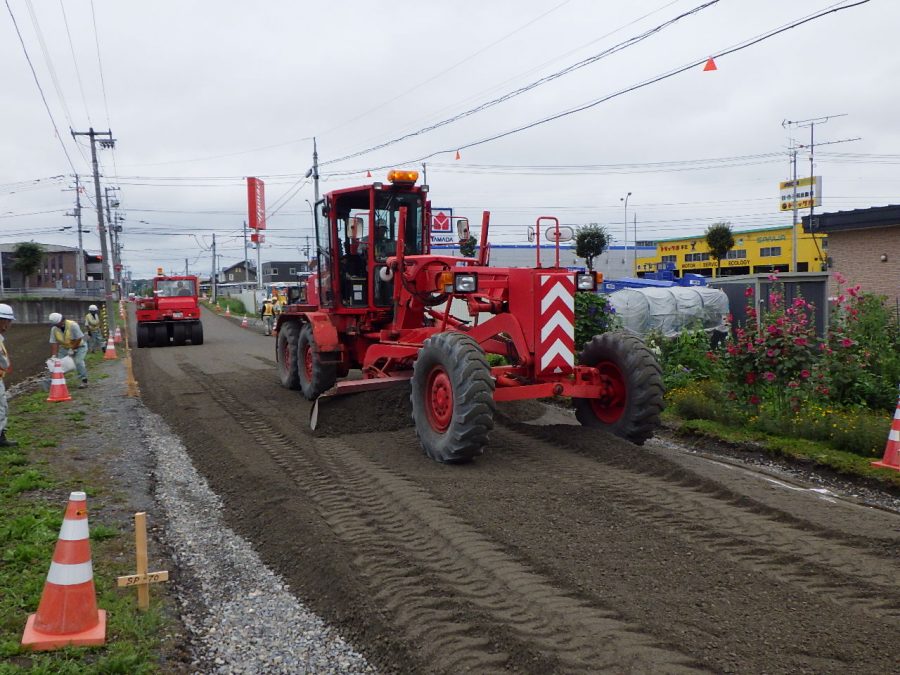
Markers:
{"x": 773, "y": 360}
{"x": 860, "y": 362}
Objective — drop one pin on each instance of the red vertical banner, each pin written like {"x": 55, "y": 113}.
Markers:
{"x": 256, "y": 204}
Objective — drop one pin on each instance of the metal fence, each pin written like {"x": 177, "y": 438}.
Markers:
{"x": 811, "y": 286}
{"x": 41, "y": 292}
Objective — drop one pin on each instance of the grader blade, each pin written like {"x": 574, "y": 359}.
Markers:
{"x": 354, "y": 387}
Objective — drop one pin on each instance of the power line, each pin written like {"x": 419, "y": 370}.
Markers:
{"x": 490, "y": 90}
{"x": 625, "y": 44}
{"x": 448, "y": 69}
{"x": 62, "y": 7}
{"x": 640, "y": 85}
{"x": 40, "y": 89}
{"x": 100, "y": 63}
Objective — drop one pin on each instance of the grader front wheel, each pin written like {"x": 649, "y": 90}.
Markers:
{"x": 287, "y": 356}
{"x": 315, "y": 377}
{"x": 633, "y": 381}
{"x": 452, "y": 398}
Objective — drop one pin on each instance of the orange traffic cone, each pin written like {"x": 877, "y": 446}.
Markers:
{"x": 709, "y": 65}
{"x": 110, "y": 353}
{"x": 117, "y": 336}
{"x": 244, "y": 323}
{"x": 228, "y": 311}
{"x": 58, "y": 389}
{"x": 67, "y": 613}
{"x": 891, "y": 459}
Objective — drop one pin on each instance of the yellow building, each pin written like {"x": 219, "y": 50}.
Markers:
{"x": 764, "y": 250}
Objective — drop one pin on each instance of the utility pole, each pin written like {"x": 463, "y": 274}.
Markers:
{"x": 625, "y": 252}
{"x": 245, "y": 246}
{"x": 635, "y": 245}
{"x": 258, "y": 268}
{"x": 811, "y": 125}
{"x": 113, "y": 235}
{"x": 108, "y": 142}
{"x": 314, "y": 172}
{"x": 186, "y": 267}
{"x": 212, "y": 278}
{"x": 424, "y": 174}
{"x": 80, "y": 274}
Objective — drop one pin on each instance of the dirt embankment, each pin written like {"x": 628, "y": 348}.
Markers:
{"x": 29, "y": 348}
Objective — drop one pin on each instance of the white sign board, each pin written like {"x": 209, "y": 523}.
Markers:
{"x": 441, "y": 227}
{"x": 809, "y": 193}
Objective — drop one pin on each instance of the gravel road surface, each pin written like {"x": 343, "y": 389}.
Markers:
{"x": 560, "y": 550}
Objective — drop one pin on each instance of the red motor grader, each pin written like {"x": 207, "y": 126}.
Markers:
{"x": 382, "y": 303}
{"x": 171, "y": 315}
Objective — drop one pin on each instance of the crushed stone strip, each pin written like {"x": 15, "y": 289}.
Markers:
{"x": 242, "y": 616}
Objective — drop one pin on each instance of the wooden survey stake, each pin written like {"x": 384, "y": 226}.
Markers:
{"x": 143, "y": 578}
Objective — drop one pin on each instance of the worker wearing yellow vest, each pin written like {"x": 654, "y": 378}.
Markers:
{"x": 6, "y": 318}
{"x": 267, "y": 313}
{"x": 67, "y": 338}
{"x": 93, "y": 329}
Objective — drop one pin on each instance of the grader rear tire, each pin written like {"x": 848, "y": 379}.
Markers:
{"x": 633, "y": 373}
{"x": 196, "y": 335}
{"x": 143, "y": 335}
{"x": 179, "y": 334}
{"x": 160, "y": 335}
{"x": 452, "y": 398}
{"x": 286, "y": 356}
{"x": 315, "y": 377}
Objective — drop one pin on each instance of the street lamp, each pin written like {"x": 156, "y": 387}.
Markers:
{"x": 625, "y": 254}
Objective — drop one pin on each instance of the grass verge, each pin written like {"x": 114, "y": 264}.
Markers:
{"x": 32, "y": 503}
{"x": 796, "y": 449}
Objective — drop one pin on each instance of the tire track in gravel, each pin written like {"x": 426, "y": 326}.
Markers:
{"x": 445, "y": 583}
{"x": 707, "y": 515}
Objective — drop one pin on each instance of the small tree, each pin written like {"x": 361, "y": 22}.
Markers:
{"x": 467, "y": 247}
{"x": 590, "y": 242}
{"x": 719, "y": 240}
{"x": 27, "y": 258}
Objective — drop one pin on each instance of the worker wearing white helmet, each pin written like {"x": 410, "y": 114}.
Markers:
{"x": 93, "y": 329}
{"x": 6, "y": 318}
{"x": 67, "y": 338}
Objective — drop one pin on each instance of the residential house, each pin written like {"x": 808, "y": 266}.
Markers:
{"x": 58, "y": 269}
{"x": 864, "y": 246}
{"x": 278, "y": 271}
{"x": 240, "y": 272}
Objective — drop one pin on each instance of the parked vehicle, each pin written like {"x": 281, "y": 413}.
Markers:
{"x": 171, "y": 314}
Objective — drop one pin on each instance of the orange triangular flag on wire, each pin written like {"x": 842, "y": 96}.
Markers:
{"x": 457, "y": 154}
{"x": 368, "y": 174}
{"x": 710, "y": 65}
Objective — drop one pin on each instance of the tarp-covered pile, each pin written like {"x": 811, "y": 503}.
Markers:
{"x": 670, "y": 310}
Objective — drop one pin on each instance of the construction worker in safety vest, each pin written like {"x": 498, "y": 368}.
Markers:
{"x": 6, "y": 318}
{"x": 267, "y": 313}
{"x": 93, "y": 330}
{"x": 67, "y": 338}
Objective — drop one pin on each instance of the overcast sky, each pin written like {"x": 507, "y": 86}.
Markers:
{"x": 200, "y": 95}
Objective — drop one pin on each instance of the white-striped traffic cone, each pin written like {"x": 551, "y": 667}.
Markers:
{"x": 891, "y": 459}
{"x": 110, "y": 352}
{"x": 67, "y": 613}
{"x": 59, "y": 391}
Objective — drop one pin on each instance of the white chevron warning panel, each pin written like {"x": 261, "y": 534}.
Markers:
{"x": 555, "y": 351}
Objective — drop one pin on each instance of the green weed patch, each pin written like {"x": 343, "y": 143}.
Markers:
{"x": 31, "y": 513}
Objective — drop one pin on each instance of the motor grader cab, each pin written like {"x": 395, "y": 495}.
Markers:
{"x": 381, "y": 302}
